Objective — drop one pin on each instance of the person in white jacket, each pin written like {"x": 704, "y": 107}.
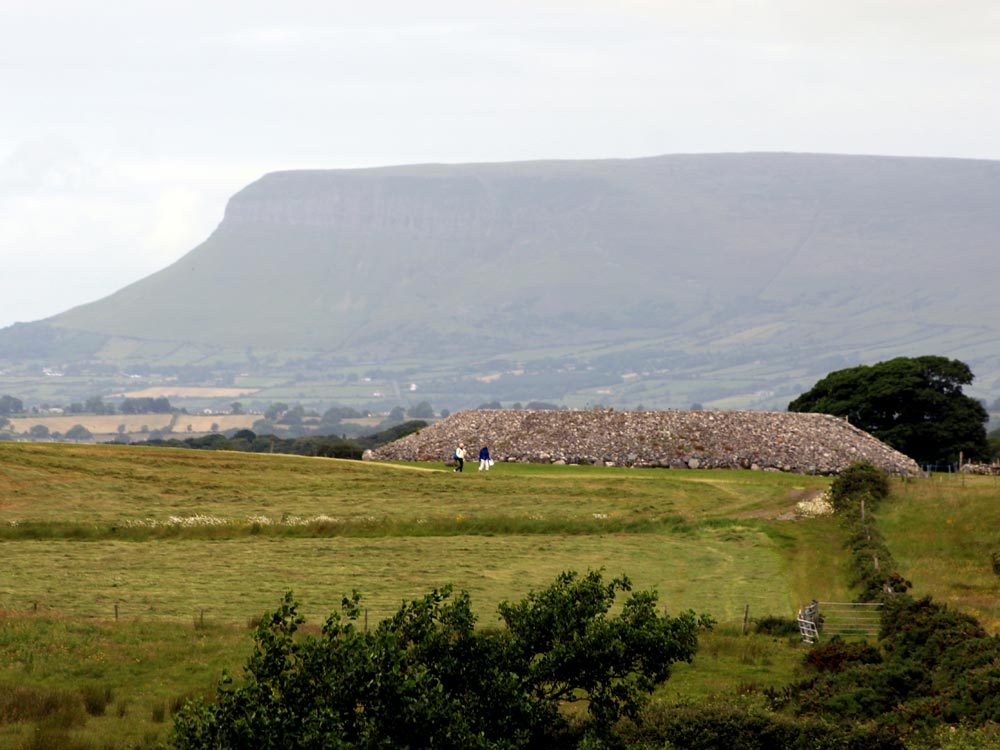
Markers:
{"x": 460, "y": 457}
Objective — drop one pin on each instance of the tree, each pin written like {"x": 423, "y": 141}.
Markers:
{"x": 859, "y": 482}
{"x": 397, "y": 415}
{"x": 146, "y": 405}
{"x": 39, "y": 431}
{"x": 78, "y": 432}
{"x": 96, "y": 405}
{"x": 427, "y": 677}
{"x": 292, "y": 416}
{"x": 275, "y": 410}
{"x": 11, "y": 405}
{"x": 236, "y": 408}
{"x": 423, "y": 410}
{"x": 916, "y": 405}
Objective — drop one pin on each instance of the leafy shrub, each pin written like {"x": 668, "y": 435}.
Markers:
{"x": 938, "y": 666}
{"x": 427, "y": 677}
{"x": 748, "y": 726}
{"x": 859, "y": 481}
{"x": 776, "y": 626}
{"x": 836, "y": 654}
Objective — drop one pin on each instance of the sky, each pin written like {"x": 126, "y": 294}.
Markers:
{"x": 125, "y": 125}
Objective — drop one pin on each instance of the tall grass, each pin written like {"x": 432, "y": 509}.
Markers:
{"x": 942, "y": 533}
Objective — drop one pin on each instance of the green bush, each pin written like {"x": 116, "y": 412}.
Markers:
{"x": 938, "y": 666}
{"x": 835, "y": 655}
{"x": 428, "y": 678}
{"x": 859, "y": 481}
{"x": 746, "y": 725}
{"x": 776, "y": 626}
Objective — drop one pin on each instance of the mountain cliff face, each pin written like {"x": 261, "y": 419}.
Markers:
{"x": 789, "y": 263}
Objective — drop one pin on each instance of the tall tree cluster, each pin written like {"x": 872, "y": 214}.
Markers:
{"x": 914, "y": 404}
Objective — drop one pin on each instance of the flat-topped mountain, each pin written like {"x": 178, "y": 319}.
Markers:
{"x": 705, "y": 277}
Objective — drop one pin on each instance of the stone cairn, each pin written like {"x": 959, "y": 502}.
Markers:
{"x": 767, "y": 441}
{"x": 985, "y": 469}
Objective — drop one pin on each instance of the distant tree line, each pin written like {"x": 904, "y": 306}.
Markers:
{"x": 10, "y": 405}
{"x": 329, "y": 446}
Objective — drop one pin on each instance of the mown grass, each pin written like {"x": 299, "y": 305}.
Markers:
{"x": 189, "y": 547}
{"x": 121, "y": 484}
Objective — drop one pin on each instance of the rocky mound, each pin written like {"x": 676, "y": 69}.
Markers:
{"x": 783, "y": 441}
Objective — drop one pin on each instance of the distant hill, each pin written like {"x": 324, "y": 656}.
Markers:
{"x": 733, "y": 279}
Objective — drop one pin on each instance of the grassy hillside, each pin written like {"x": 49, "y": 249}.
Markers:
{"x": 733, "y": 280}
{"x": 188, "y": 547}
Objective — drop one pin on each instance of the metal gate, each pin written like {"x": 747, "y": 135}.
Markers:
{"x": 846, "y": 619}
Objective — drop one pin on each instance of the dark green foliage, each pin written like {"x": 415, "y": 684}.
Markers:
{"x": 835, "y": 655}
{"x": 427, "y": 678}
{"x": 916, "y": 405}
{"x": 10, "y": 405}
{"x": 423, "y": 410}
{"x": 776, "y": 626}
{"x": 329, "y": 446}
{"x": 855, "y": 494}
{"x": 934, "y": 665}
{"x": 713, "y": 725}
{"x": 859, "y": 481}
{"x": 96, "y": 405}
{"x": 390, "y": 433}
{"x": 145, "y": 406}
{"x": 938, "y": 666}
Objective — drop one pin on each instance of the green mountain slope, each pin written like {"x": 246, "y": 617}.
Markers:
{"x": 788, "y": 264}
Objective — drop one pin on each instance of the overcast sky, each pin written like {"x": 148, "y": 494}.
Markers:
{"x": 126, "y": 124}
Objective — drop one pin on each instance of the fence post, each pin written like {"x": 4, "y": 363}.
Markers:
{"x": 746, "y": 615}
{"x": 116, "y": 611}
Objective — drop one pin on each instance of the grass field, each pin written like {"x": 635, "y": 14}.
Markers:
{"x": 188, "y": 391}
{"x": 942, "y": 534}
{"x": 132, "y": 573}
{"x": 108, "y": 424}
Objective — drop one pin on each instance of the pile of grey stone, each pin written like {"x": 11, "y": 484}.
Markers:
{"x": 767, "y": 441}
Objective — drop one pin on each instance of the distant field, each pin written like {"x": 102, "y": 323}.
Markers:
{"x": 189, "y": 391}
{"x": 135, "y": 423}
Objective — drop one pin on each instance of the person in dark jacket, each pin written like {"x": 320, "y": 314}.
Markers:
{"x": 484, "y": 459}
